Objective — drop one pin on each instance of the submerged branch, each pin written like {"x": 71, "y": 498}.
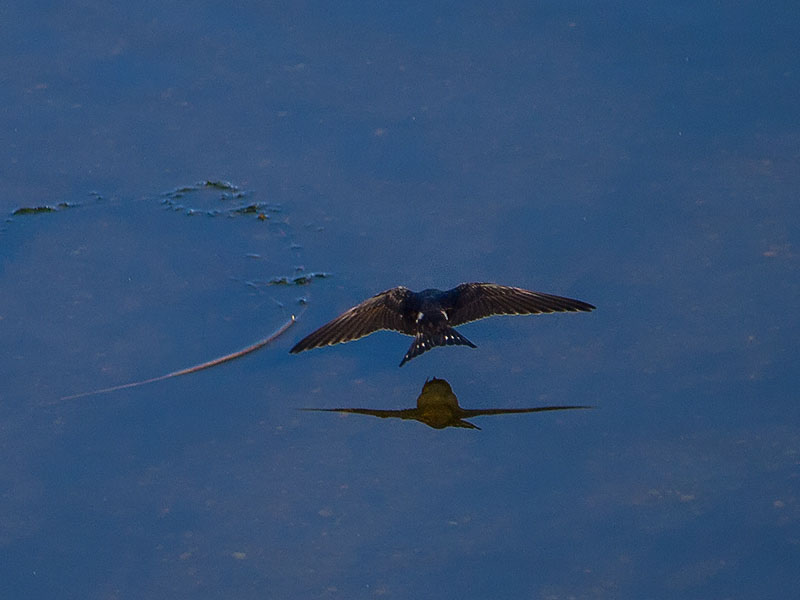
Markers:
{"x": 194, "y": 369}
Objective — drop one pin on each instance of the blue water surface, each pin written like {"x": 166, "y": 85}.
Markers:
{"x": 640, "y": 156}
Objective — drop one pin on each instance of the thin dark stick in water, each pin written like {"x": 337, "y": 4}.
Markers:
{"x": 195, "y": 368}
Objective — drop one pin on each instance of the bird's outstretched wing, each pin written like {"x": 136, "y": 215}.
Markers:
{"x": 382, "y": 311}
{"x": 408, "y": 413}
{"x": 472, "y": 301}
{"x": 467, "y": 413}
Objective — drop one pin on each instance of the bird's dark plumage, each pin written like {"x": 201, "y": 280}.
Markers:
{"x": 430, "y": 315}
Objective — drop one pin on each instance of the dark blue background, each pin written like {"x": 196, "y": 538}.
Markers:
{"x": 641, "y": 156}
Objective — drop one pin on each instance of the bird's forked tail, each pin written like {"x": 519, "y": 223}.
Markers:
{"x": 425, "y": 340}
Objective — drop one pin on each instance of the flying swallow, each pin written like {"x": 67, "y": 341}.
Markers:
{"x": 437, "y": 407}
{"x": 429, "y": 316}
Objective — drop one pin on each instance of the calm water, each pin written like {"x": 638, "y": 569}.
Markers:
{"x": 643, "y": 157}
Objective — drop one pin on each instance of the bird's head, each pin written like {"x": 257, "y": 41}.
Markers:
{"x": 432, "y": 317}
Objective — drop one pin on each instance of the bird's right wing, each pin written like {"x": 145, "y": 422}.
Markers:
{"x": 408, "y": 413}
{"x": 382, "y": 311}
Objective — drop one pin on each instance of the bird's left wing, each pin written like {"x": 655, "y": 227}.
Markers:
{"x": 467, "y": 413}
{"x": 472, "y": 301}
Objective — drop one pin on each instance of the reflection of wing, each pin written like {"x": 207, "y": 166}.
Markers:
{"x": 467, "y": 413}
{"x": 410, "y": 413}
{"x": 472, "y": 301}
{"x": 440, "y": 419}
{"x": 437, "y": 420}
{"x": 382, "y": 311}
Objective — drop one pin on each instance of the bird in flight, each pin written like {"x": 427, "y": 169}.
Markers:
{"x": 437, "y": 407}
{"x": 429, "y": 316}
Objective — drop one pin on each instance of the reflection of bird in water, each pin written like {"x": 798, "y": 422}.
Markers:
{"x": 430, "y": 315}
{"x": 437, "y": 406}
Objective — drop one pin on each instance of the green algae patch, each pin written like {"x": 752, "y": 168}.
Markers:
{"x": 215, "y": 198}
{"x": 302, "y": 279}
{"x": 38, "y": 210}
